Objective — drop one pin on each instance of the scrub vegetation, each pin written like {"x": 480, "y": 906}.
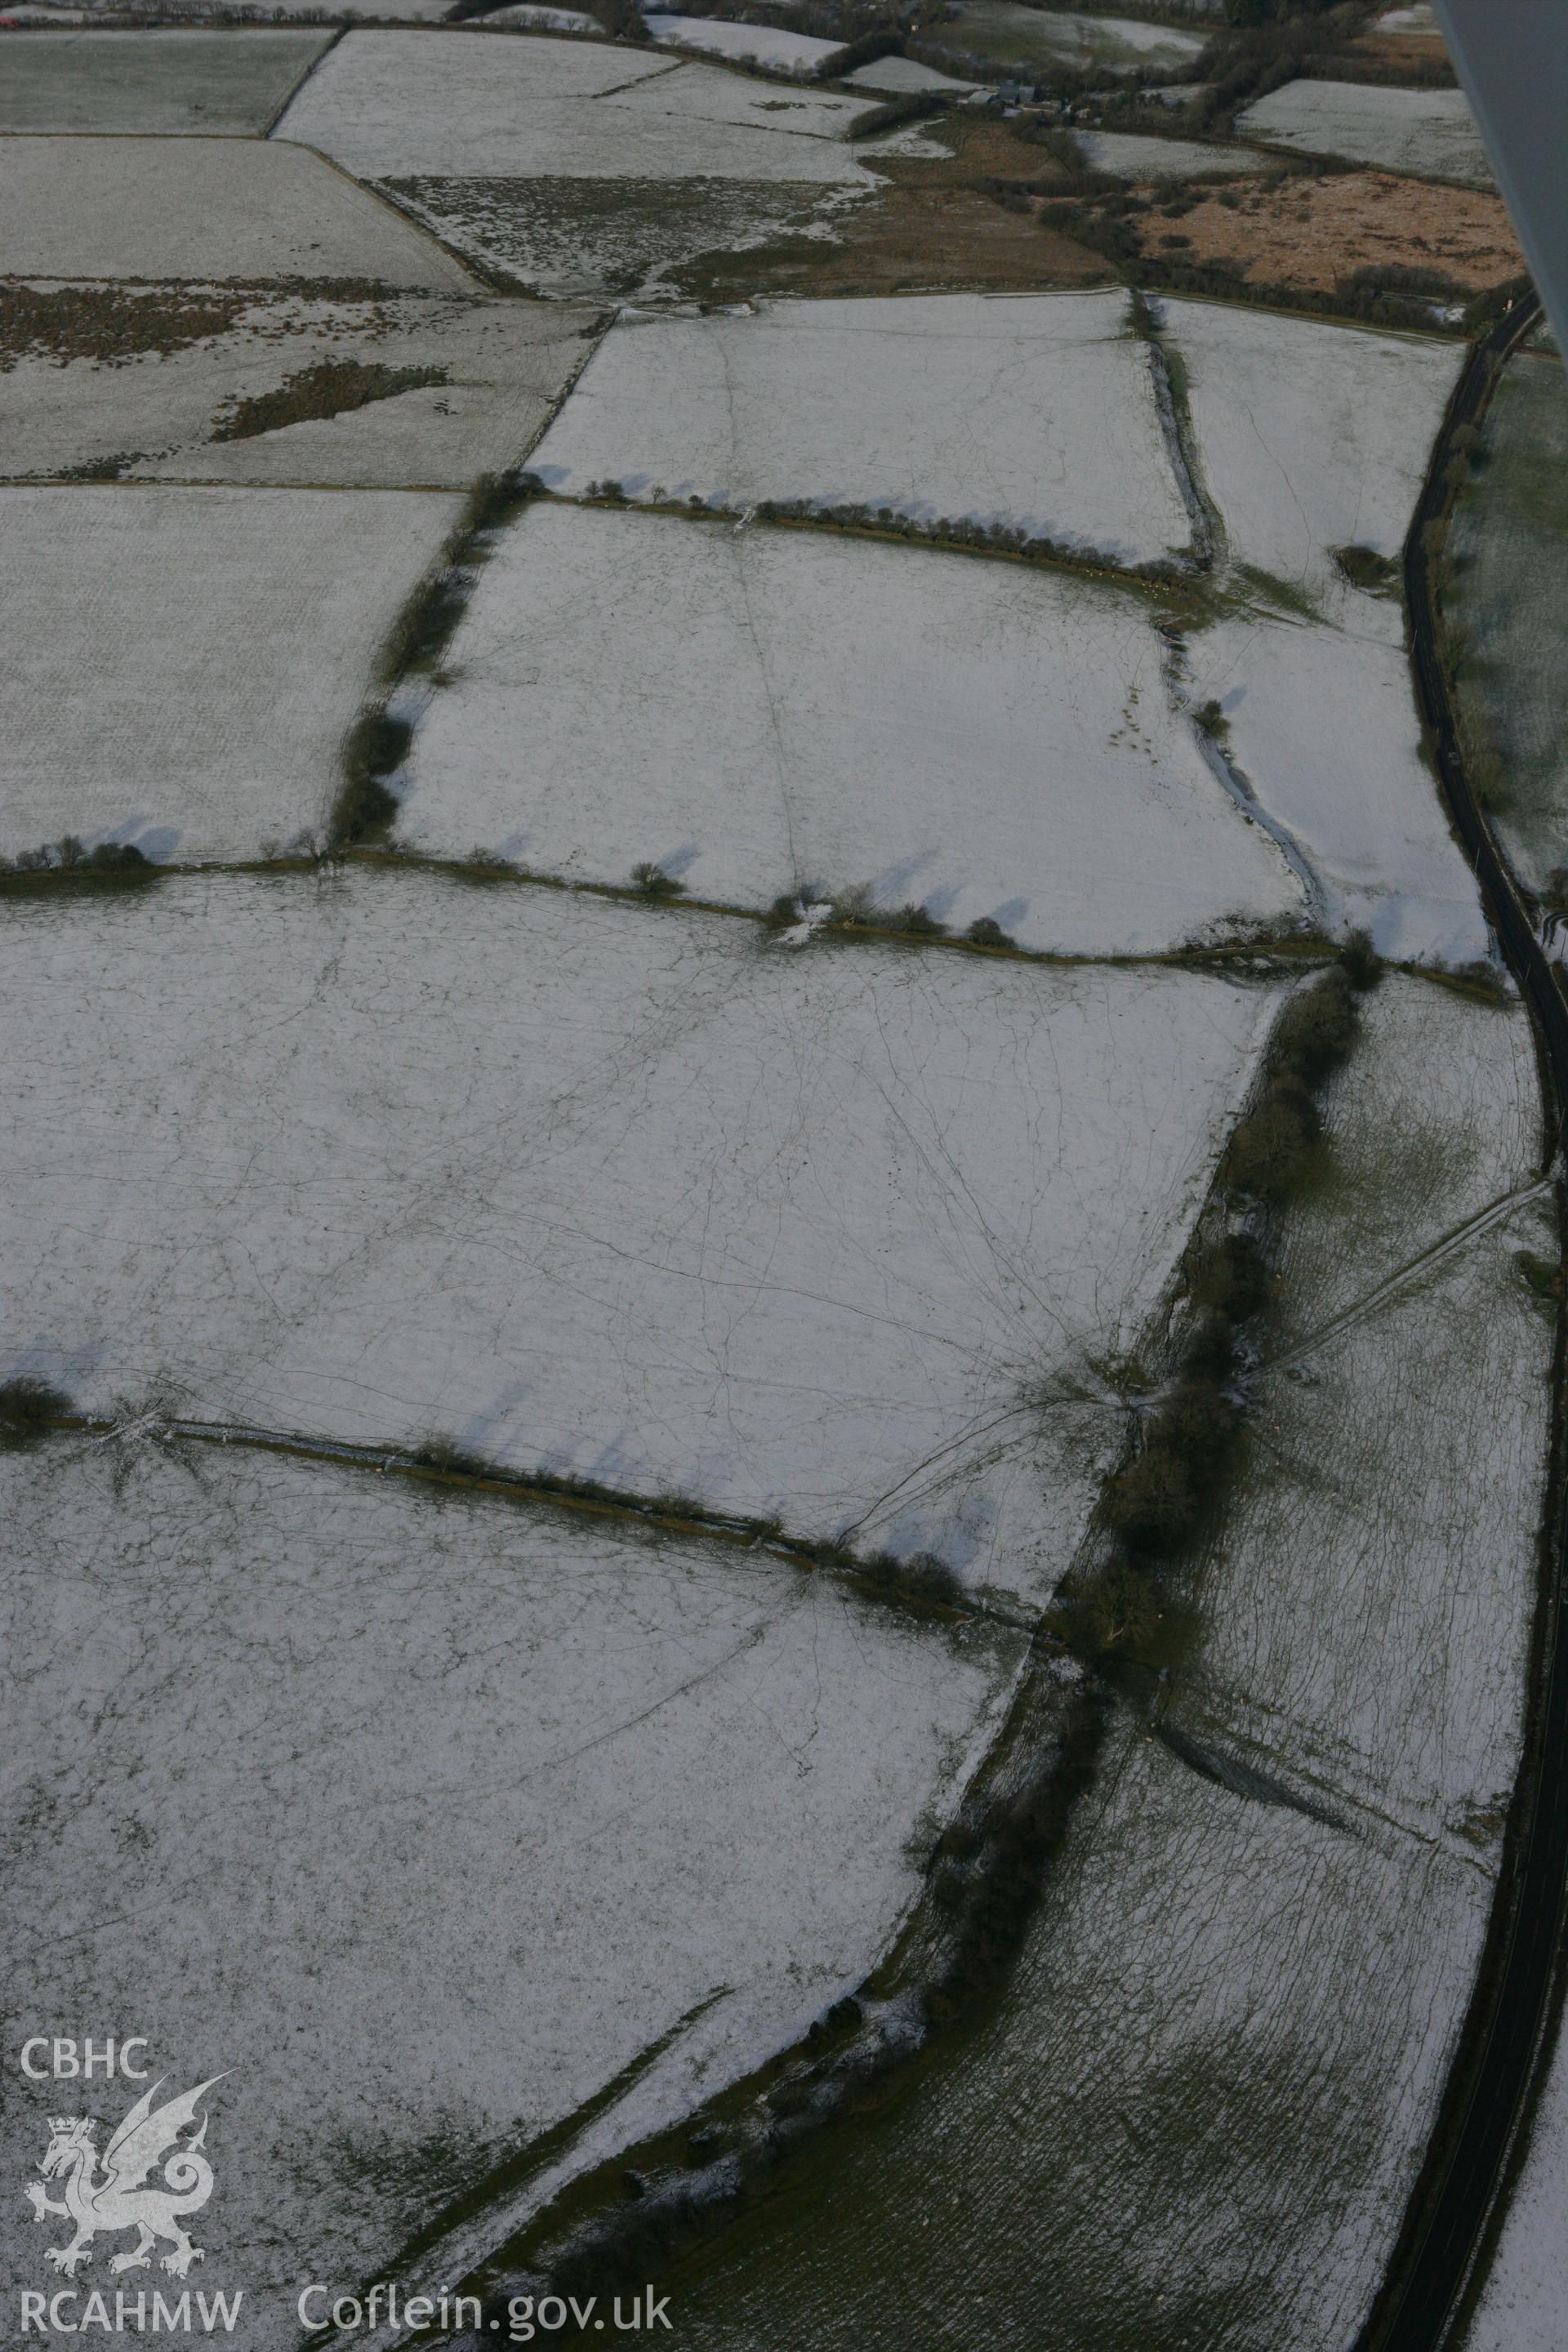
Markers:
{"x": 29, "y": 1408}
{"x": 110, "y": 323}
{"x": 1363, "y": 567}
{"x": 969, "y": 533}
{"x": 1156, "y": 1509}
{"x": 1271, "y": 1152}
{"x": 376, "y": 747}
{"x": 1143, "y": 232}
{"x": 330, "y": 388}
{"x": 379, "y": 741}
{"x": 917, "y": 1581}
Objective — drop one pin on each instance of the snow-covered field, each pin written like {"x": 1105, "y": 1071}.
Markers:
{"x": 1240, "y": 2023}
{"x": 629, "y": 1192}
{"x": 763, "y": 712}
{"x": 181, "y": 665}
{"x": 1222, "y": 2053}
{"x": 209, "y": 83}
{"x": 393, "y": 105}
{"x": 1429, "y": 131}
{"x": 1508, "y": 587}
{"x": 565, "y": 236}
{"x": 610, "y": 139}
{"x": 1130, "y": 155}
{"x": 709, "y": 94}
{"x": 383, "y": 1782}
{"x": 1311, "y": 437}
{"x": 1370, "y": 1598}
{"x": 761, "y": 44}
{"x": 201, "y": 209}
{"x": 1032, "y": 410}
{"x": 468, "y": 1835}
{"x": 501, "y": 365}
{"x": 332, "y": 12}
{"x": 376, "y": 85}
{"x": 1195, "y": 2119}
{"x": 534, "y": 18}
{"x": 912, "y": 142}
{"x": 902, "y": 75}
{"x": 1000, "y": 33}
{"x": 1322, "y": 727}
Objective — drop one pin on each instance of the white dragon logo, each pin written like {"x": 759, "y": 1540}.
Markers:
{"x": 119, "y": 2200}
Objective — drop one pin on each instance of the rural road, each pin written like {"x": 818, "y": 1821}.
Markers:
{"x": 1504, "y": 2047}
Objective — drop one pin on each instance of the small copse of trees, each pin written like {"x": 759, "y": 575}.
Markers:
{"x": 376, "y": 748}
{"x": 66, "y": 863}
{"x": 28, "y": 1407}
{"x": 1273, "y": 1147}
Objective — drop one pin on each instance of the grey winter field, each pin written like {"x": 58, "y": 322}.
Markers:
{"x": 781, "y": 926}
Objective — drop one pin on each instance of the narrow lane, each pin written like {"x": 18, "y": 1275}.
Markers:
{"x": 1505, "y": 2045}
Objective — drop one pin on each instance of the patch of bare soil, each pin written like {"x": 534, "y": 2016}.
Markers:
{"x": 982, "y": 145}
{"x": 1417, "y": 59}
{"x": 1315, "y": 233}
{"x": 61, "y": 321}
{"x": 911, "y": 240}
{"x": 936, "y": 227}
{"x": 109, "y": 323}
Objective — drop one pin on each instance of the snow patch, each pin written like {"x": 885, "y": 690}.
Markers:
{"x": 627, "y": 682}
{"x": 1035, "y": 411}
{"x": 845, "y": 1235}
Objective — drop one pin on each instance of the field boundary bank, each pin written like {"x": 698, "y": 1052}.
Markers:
{"x": 928, "y": 1592}
{"x": 1174, "y": 578}
{"x": 655, "y": 2202}
{"x": 1222, "y": 958}
{"x": 1236, "y": 959}
{"x": 279, "y": 111}
{"x": 1455, "y": 2207}
{"x": 950, "y": 1955}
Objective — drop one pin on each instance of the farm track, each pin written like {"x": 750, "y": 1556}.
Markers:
{"x": 1505, "y": 2045}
